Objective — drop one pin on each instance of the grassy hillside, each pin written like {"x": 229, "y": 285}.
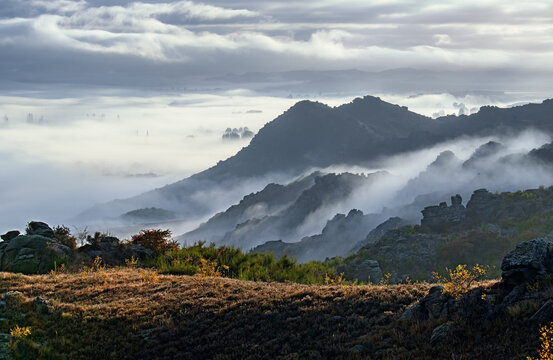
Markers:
{"x": 129, "y": 313}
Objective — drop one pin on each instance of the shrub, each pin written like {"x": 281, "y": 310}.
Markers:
{"x": 63, "y": 236}
{"x": 197, "y": 258}
{"x": 157, "y": 240}
{"x": 461, "y": 279}
{"x": 546, "y": 349}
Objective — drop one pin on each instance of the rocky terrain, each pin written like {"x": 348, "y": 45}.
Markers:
{"x": 454, "y": 234}
{"x": 126, "y": 313}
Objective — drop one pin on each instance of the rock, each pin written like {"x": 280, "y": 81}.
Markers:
{"x": 435, "y": 305}
{"x": 10, "y": 235}
{"x": 442, "y": 217}
{"x": 13, "y": 299}
{"x": 530, "y": 261}
{"x": 415, "y": 312}
{"x": 40, "y": 228}
{"x": 545, "y": 314}
{"x": 43, "y": 306}
{"x": 32, "y": 254}
{"x": 441, "y": 333}
{"x": 357, "y": 348}
{"x": 113, "y": 252}
{"x": 366, "y": 270}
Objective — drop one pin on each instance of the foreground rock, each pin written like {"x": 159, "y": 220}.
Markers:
{"x": 524, "y": 269}
{"x": 112, "y": 251}
{"x": 34, "y": 253}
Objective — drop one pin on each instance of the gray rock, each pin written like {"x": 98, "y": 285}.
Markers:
{"x": 441, "y": 217}
{"x": 10, "y": 235}
{"x": 32, "y": 254}
{"x": 357, "y": 348}
{"x": 442, "y": 333}
{"x": 435, "y": 305}
{"x": 528, "y": 262}
{"x": 13, "y": 299}
{"x": 40, "y": 228}
{"x": 366, "y": 270}
{"x": 43, "y": 306}
{"x": 545, "y": 314}
{"x": 113, "y": 252}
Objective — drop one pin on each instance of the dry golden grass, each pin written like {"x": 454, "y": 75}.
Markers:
{"x": 120, "y": 315}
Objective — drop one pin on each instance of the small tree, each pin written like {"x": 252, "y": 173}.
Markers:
{"x": 157, "y": 240}
{"x": 63, "y": 236}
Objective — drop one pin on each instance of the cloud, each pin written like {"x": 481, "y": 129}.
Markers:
{"x": 203, "y": 38}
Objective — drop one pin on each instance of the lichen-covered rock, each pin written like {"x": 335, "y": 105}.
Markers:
{"x": 530, "y": 261}
{"x": 32, "y": 254}
{"x": 441, "y": 333}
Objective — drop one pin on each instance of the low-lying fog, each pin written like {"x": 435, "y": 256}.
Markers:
{"x": 61, "y": 155}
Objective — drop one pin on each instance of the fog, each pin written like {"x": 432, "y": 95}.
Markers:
{"x": 64, "y": 154}
{"x": 408, "y": 182}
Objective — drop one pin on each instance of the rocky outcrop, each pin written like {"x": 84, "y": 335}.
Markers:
{"x": 10, "y": 235}
{"x": 443, "y": 217}
{"x": 528, "y": 264}
{"x": 364, "y": 271}
{"x": 39, "y": 228}
{"x": 529, "y": 261}
{"x": 33, "y": 253}
{"x": 113, "y": 252}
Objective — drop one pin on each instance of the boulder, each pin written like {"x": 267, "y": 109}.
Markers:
{"x": 435, "y": 305}
{"x": 112, "y": 252}
{"x": 530, "y": 261}
{"x": 40, "y": 228}
{"x": 32, "y": 254}
{"x": 442, "y": 333}
{"x": 366, "y": 270}
{"x": 10, "y": 235}
{"x": 545, "y": 314}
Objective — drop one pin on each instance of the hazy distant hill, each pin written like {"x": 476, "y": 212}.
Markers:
{"x": 312, "y": 134}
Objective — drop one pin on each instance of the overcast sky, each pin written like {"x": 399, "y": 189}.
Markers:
{"x": 126, "y": 42}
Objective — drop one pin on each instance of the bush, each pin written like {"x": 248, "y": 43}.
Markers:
{"x": 232, "y": 262}
{"x": 63, "y": 236}
{"x": 461, "y": 279}
{"x": 157, "y": 240}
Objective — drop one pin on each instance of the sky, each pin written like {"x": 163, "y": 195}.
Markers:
{"x": 105, "y": 99}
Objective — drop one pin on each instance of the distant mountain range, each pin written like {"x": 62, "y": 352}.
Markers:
{"x": 311, "y": 135}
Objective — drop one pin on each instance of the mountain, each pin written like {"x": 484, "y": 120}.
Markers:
{"x": 479, "y": 233}
{"x": 314, "y": 135}
{"x": 286, "y": 216}
{"x": 339, "y": 237}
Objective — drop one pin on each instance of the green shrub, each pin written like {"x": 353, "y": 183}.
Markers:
{"x": 239, "y": 265}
